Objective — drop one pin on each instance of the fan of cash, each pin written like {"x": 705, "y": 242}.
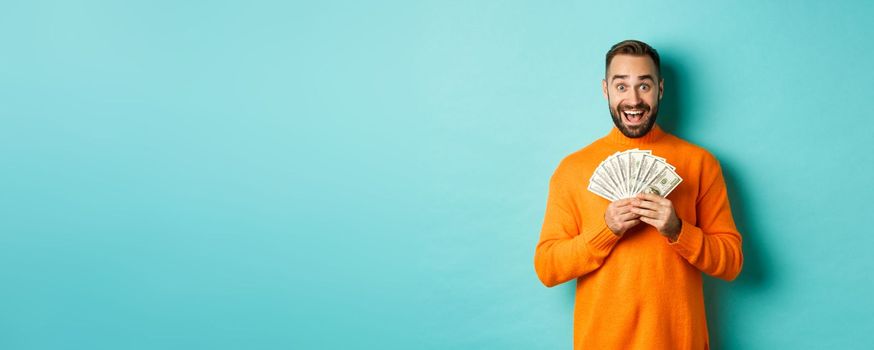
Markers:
{"x": 625, "y": 174}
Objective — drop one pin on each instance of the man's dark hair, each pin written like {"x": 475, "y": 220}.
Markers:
{"x": 634, "y": 48}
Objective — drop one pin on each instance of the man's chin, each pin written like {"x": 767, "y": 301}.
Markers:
{"x": 637, "y": 130}
{"x": 634, "y": 131}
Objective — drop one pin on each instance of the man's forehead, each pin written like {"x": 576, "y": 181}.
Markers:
{"x": 631, "y": 67}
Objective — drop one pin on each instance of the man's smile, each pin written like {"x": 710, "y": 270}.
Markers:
{"x": 634, "y": 117}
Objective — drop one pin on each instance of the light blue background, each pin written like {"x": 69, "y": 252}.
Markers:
{"x": 325, "y": 175}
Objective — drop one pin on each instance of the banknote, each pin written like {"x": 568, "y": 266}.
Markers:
{"x": 627, "y": 173}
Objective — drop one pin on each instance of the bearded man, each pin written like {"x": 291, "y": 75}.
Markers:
{"x": 638, "y": 261}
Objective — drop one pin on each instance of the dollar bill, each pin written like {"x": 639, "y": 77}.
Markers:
{"x": 627, "y": 173}
{"x": 663, "y": 184}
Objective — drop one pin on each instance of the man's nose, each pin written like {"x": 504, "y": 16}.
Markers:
{"x": 634, "y": 97}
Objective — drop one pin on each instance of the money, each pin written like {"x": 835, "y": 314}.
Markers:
{"x": 627, "y": 173}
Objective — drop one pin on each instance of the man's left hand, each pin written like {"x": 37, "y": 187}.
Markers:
{"x": 658, "y": 212}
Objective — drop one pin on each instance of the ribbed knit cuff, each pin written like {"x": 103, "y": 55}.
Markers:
{"x": 602, "y": 242}
{"x": 689, "y": 241}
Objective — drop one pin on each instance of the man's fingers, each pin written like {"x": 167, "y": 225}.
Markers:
{"x": 647, "y": 221}
{"x": 647, "y": 204}
{"x": 622, "y": 202}
{"x": 627, "y": 216}
{"x": 645, "y": 212}
{"x": 630, "y": 223}
{"x": 622, "y": 210}
{"x": 653, "y": 222}
{"x": 623, "y": 205}
{"x": 653, "y": 198}
{"x": 648, "y": 196}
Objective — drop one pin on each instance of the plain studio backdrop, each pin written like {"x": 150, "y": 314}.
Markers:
{"x": 373, "y": 175}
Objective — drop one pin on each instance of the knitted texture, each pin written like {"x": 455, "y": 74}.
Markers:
{"x": 639, "y": 291}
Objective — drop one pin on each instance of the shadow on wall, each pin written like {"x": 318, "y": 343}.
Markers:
{"x": 754, "y": 275}
{"x": 670, "y": 113}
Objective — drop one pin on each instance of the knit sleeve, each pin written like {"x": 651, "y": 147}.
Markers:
{"x": 714, "y": 245}
{"x": 563, "y": 254}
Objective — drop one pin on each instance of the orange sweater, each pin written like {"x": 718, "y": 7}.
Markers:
{"x": 639, "y": 291}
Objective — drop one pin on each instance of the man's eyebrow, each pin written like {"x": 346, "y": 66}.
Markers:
{"x": 640, "y": 77}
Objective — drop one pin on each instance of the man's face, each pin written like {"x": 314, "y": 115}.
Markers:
{"x": 633, "y": 90}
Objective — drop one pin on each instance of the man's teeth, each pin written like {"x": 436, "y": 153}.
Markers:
{"x": 633, "y": 115}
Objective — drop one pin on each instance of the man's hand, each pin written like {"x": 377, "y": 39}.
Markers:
{"x": 619, "y": 217}
{"x": 658, "y": 212}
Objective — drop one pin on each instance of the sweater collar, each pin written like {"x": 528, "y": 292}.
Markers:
{"x": 616, "y": 136}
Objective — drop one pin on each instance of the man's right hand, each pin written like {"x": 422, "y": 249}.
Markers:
{"x": 619, "y": 217}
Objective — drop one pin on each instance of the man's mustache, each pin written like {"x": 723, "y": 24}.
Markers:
{"x": 639, "y": 106}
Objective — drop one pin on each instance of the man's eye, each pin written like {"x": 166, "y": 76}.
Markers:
{"x": 644, "y": 87}
{"x": 620, "y": 87}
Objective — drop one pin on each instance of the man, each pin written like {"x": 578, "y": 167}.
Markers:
{"x": 638, "y": 262}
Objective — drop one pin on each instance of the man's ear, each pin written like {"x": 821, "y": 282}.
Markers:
{"x": 661, "y": 88}
{"x": 604, "y": 88}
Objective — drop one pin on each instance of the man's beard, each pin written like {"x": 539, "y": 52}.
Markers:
{"x": 638, "y": 130}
